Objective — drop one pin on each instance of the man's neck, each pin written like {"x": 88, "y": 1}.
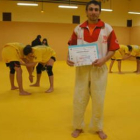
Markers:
{"x": 92, "y": 22}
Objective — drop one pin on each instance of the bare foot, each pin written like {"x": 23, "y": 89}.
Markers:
{"x": 49, "y": 90}
{"x": 135, "y": 71}
{"x": 24, "y": 93}
{"x": 35, "y": 85}
{"x": 102, "y": 135}
{"x": 110, "y": 72}
{"x": 14, "y": 87}
{"x": 76, "y": 133}
{"x": 138, "y": 72}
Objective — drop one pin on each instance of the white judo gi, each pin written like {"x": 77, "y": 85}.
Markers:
{"x": 91, "y": 80}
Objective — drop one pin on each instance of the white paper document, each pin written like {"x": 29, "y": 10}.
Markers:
{"x": 83, "y": 54}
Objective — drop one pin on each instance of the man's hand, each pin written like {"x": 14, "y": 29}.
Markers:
{"x": 70, "y": 63}
{"x": 99, "y": 62}
{"x": 31, "y": 78}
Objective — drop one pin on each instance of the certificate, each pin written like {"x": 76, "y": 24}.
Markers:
{"x": 84, "y": 54}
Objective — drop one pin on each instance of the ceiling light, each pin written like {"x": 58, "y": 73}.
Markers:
{"x": 134, "y": 13}
{"x": 27, "y": 4}
{"x": 68, "y": 6}
{"x": 42, "y": 8}
{"x": 108, "y": 10}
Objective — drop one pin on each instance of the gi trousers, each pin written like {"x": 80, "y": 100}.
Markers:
{"x": 91, "y": 82}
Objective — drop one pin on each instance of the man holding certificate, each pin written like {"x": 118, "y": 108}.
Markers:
{"x": 91, "y": 78}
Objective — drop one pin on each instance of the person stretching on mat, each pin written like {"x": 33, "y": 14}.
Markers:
{"x": 121, "y": 54}
{"x": 48, "y": 67}
{"x": 44, "y": 56}
{"x": 12, "y": 54}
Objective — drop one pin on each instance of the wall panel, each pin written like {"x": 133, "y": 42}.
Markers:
{"x": 57, "y": 34}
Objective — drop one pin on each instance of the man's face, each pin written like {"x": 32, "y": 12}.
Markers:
{"x": 30, "y": 55}
{"x": 93, "y": 13}
{"x": 44, "y": 42}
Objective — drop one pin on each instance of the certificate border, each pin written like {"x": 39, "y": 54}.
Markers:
{"x": 86, "y": 45}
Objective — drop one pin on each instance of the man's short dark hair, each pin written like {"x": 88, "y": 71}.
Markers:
{"x": 93, "y": 2}
{"x": 27, "y": 49}
{"x": 38, "y": 37}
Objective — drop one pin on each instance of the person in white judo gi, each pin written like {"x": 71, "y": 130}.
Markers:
{"x": 91, "y": 80}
